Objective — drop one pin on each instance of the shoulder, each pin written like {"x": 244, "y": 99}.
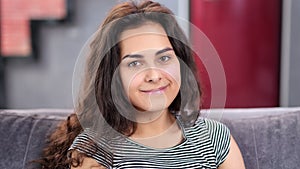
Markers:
{"x": 215, "y": 128}
{"x": 219, "y": 135}
{"x": 93, "y": 147}
{"x": 86, "y": 162}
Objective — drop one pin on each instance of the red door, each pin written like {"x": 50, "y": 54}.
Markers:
{"x": 246, "y": 35}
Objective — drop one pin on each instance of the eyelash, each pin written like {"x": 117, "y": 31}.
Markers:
{"x": 136, "y": 63}
{"x": 166, "y": 56}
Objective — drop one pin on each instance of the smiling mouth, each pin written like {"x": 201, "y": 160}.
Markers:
{"x": 155, "y": 91}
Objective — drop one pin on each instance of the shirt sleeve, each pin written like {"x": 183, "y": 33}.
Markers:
{"x": 220, "y": 138}
{"x": 92, "y": 147}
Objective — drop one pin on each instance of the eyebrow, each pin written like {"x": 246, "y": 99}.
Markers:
{"x": 163, "y": 50}
{"x": 141, "y": 56}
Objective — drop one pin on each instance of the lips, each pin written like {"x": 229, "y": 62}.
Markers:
{"x": 156, "y": 90}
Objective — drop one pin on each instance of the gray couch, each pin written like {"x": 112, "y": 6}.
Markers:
{"x": 269, "y": 138}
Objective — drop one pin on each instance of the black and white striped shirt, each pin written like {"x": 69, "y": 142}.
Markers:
{"x": 205, "y": 146}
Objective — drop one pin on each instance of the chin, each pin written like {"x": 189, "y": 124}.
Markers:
{"x": 157, "y": 108}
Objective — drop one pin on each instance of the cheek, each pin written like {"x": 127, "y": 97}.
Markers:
{"x": 173, "y": 73}
{"x": 130, "y": 81}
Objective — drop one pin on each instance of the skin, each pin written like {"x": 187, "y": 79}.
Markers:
{"x": 148, "y": 77}
{"x": 150, "y": 72}
{"x": 234, "y": 159}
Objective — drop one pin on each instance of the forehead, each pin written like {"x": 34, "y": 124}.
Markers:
{"x": 148, "y": 36}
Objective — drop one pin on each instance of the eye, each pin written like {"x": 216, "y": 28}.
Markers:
{"x": 164, "y": 58}
{"x": 134, "y": 64}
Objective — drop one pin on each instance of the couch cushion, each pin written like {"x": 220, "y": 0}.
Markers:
{"x": 23, "y": 134}
{"x": 268, "y": 142}
{"x": 268, "y": 138}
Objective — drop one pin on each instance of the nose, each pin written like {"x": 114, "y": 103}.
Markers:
{"x": 153, "y": 75}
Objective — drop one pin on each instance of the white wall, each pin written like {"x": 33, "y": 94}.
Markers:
{"x": 290, "y": 55}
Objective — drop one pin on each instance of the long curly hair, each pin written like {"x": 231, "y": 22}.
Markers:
{"x": 101, "y": 65}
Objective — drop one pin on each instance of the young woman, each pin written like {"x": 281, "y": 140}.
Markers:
{"x": 138, "y": 106}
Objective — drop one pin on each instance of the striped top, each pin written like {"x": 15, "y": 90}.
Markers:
{"x": 205, "y": 145}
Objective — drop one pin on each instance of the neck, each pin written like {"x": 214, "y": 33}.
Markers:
{"x": 161, "y": 122}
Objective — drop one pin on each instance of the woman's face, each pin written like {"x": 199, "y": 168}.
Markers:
{"x": 149, "y": 68}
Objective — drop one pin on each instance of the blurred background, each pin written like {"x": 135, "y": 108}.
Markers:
{"x": 257, "y": 41}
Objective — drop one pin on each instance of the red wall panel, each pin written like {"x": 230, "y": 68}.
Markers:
{"x": 246, "y": 34}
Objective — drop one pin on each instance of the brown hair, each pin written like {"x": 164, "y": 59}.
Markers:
{"x": 101, "y": 66}
{"x": 58, "y": 143}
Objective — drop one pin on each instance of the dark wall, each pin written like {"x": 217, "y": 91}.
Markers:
{"x": 46, "y": 81}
